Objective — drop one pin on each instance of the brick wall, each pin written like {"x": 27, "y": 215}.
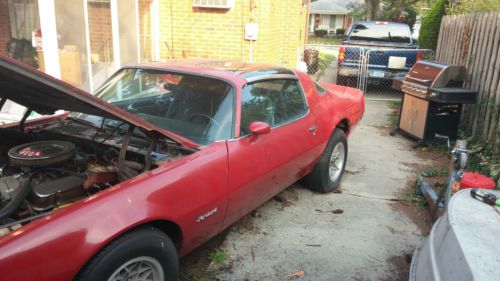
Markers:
{"x": 100, "y": 30}
{"x": 219, "y": 34}
{"x": 145, "y": 29}
{"x": 4, "y": 25}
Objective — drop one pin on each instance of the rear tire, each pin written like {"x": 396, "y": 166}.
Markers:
{"x": 327, "y": 173}
{"x": 143, "y": 254}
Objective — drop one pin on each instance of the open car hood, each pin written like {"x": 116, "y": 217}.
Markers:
{"x": 45, "y": 95}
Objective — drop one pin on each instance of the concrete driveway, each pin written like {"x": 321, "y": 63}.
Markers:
{"x": 358, "y": 234}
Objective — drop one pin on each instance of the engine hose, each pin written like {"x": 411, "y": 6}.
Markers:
{"x": 16, "y": 202}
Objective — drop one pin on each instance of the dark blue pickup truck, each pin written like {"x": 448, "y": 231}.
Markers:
{"x": 387, "y": 48}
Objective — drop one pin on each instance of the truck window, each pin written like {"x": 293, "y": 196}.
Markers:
{"x": 380, "y": 32}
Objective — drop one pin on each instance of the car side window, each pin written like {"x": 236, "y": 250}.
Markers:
{"x": 275, "y": 102}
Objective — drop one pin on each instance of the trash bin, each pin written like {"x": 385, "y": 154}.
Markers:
{"x": 311, "y": 59}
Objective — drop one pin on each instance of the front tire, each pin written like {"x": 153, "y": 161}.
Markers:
{"x": 327, "y": 173}
{"x": 143, "y": 254}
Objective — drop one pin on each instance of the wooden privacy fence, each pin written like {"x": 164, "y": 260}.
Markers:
{"x": 473, "y": 40}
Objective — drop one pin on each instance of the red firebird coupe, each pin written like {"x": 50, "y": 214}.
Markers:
{"x": 118, "y": 185}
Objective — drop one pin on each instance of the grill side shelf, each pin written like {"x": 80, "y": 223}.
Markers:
{"x": 453, "y": 95}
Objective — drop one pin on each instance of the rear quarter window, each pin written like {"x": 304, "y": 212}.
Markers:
{"x": 276, "y": 102}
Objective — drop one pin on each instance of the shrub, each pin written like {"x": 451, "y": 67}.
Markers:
{"x": 340, "y": 31}
{"x": 320, "y": 32}
{"x": 429, "y": 30}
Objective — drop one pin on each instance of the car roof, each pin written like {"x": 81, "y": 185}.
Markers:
{"x": 231, "y": 70}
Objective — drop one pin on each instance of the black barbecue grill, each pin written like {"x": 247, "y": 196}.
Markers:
{"x": 432, "y": 100}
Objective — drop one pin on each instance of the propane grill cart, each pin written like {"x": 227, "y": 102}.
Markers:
{"x": 432, "y": 101}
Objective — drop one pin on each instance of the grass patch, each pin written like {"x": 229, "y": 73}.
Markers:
{"x": 394, "y": 104}
{"x": 393, "y": 119}
{"x": 394, "y": 115}
{"x": 415, "y": 197}
{"x": 482, "y": 156}
{"x": 435, "y": 172}
{"x": 327, "y": 40}
{"x": 439, "y": 148}
{"x": 218, "y": 256}
{"x": 324, "y": 61}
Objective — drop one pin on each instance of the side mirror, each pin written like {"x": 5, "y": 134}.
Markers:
{"x": 257, "y": 128}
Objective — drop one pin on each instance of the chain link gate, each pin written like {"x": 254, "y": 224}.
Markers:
{"x": 370, "y": 70}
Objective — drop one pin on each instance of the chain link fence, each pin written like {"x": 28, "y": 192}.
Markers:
{"x": 372, "y": 70}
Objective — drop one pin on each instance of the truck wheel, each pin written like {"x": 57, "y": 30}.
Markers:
{"x": 143, "y": 254}
{"x": 327, "y": 173}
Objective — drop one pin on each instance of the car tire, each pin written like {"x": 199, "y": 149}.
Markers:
{"x": 147, "y": 248}
{"x": 327, "y": 173}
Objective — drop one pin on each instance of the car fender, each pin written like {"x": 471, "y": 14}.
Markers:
{"x": 41, "y": 248}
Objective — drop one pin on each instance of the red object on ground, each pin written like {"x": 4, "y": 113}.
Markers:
{"x": 476, "y": 180}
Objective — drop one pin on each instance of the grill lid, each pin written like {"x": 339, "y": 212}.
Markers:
{"x": 431, "y": 74}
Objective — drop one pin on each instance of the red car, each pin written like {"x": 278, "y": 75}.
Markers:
{"x": 162, "y": 157}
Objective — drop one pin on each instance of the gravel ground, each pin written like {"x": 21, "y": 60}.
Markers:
{"x": 364, "y": 232}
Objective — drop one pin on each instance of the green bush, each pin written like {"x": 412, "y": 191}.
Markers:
{"x": 320, "y": 32}
{"x": 429, "y": 30}
{"x": 340, "y": 31}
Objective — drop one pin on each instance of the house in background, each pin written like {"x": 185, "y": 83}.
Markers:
{"x": 85, "y": 41}
{"x": 330, "y": 15}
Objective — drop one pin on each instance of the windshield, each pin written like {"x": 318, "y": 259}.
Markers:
{"x": 195, "y": 107}
{"x": 380, "y": 32}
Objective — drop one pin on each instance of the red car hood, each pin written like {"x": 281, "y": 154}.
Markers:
{"x": 45, "y": 94}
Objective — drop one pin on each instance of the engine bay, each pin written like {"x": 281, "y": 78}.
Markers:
{"x": 50, "y": 166}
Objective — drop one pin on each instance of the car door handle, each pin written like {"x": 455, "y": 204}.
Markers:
{"x": 313, "y": 128}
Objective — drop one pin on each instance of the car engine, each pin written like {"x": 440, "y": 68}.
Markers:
{"x": 67, "y": 162}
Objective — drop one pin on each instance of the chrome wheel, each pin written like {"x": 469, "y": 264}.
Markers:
{"x": 139, "y": 269}
{"x": 337, "y": 160}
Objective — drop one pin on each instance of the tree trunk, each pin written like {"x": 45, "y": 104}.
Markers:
{"x": 371, "y": 7}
